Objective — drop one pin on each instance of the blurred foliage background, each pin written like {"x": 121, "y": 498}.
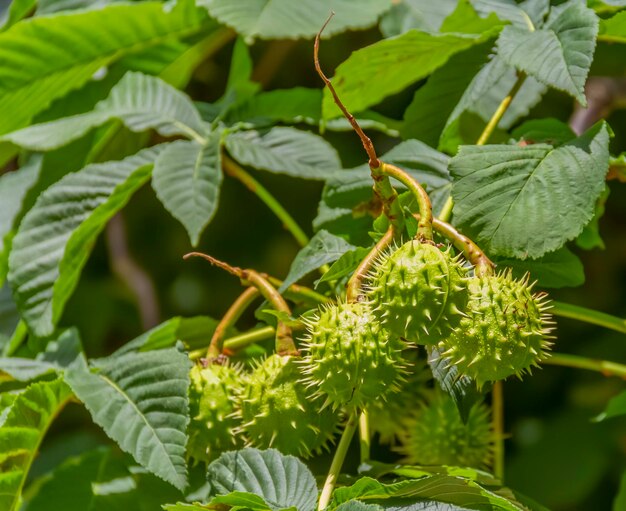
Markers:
{"x": 555, "y": 453}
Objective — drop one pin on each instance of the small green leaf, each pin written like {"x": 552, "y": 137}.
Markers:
{"x": 560, "y": 268}
{"x": 615, "y": 408}
{"x": 590, "y": 237}
{"x": 21, "y": 433}
{"x": 282, "y": 481}
{"x": 187, "y": 178}
{"x": 323, "y": 248}
{"x": 66, "y": 50}
{"x": 619, "y": 504}
{"x": 345, "y": 265}
{"x": 141, "y": 102}
{"x": 284, "y": 19}
{"x": 613, "y": 30}
{"x": 140, "y": 400}
{"x": 505, "y": 195}
{"x": 284, "y": 150}
{"x": 50, "y": 250}
{"x": 559, "y": 54}
{"x": 388, "y": 66}
{"x": 551, "y": 131}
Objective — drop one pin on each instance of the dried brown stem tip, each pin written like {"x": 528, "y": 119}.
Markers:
{"x": 367, "y": 143}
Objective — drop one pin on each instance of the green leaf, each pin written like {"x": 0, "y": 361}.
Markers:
{"x": 425, "y": 117}
{"x": 323, "y": 248}
{"x": 559, "y": 54}
{"x": 356, "y": 505}
{"x": 487, "y": 90}
{"x": 560, "y": 268}
{"x": 615, "y": 408}
{"x": 619, "y": 504}
{"x": 345, "y": 265}
{"x": 181, "y": 506}
{"x": 550, "y": 131}
{"x": 14, "y": 187}
{"x": 17, "y": 10}
{"x": 464, "y": 19}
{"x": 284, "y": 151}
{"x": 505, "y": 10}
{"x": 98, "y": 480}
{"x": 613, "y": 30}
{"x": 372, "y": 73}
{"x": 141, "y": 102}
{"x": 244, "y": 500}
{"x": 63, "y": 55}
{"x": 590, "y": 237}
{"x": 9, "y": 315}
{"x": 284, "y": 19}
{"x": 58, "y": 355}
{"x": 505, "y": 195}
{"x": 282, "y": 481}
{"x": 50, "y": 250}
{"x": 192, "y": 331}
{"x": 23, "y": 429}
{"x": 187, "y": 178}
{"x": 140, "y": 400}
{"x": 424, "y": 15}
{"x": 461, "y": 388}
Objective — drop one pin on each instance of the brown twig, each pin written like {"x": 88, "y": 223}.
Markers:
{"x": 367, "y": 143}
{"x": 284, "y": 338}
{"x": 130, "y": 273}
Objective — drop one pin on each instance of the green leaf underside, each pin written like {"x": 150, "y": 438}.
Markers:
{"x": 141, "y": 102}
{"x": 559, "y": 54}
{"x": 457, "y": 491}
{"x": 424, "y": 15}
{"x": 527, "y": 201}
{"x": 285, "y": 19}
{"x": 461, "y": 388}
{"x": 282, "y": 481}
{"x": 345, "y": 265}
{"x": 58, "y": 355}
{"x": 561, "y": 268}
{"x": 284, "y": 150}
{"x": 25, "y": 425}
{"x": 323, "y": 248}
{"x": 140, "y": 401}
{"x": 9, "y": 315}
{"x": 388, "y": 66}
{"x": 65, "y": 50}
{"x": 505, "y": 10}
{"x": 56, "y": 235}
{"x": 187, "y": 178}
{"x": 14, "y": 187}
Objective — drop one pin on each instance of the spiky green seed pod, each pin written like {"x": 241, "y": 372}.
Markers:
{"x": 387, "y": 417}
{"x": 419, "y": 291}
{"x": 436, "y": 435}
{"x": 276, "y": 411}
{"x": 505, "y": 332}
{"x": 350, "y": 359}
{"x": 212, "y": 394}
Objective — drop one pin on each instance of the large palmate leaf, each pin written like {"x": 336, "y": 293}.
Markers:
{"x": 388, "y": 66}
{"x": 187, "y": 177}
{"x": 282, "y": 481}
{"x": 13, "y": 189}
{"x": 56, "y": 235}
{"x": 24, "y": 427}
{"x": 323, "y": 248}
{"x": 281, "y": 19}
{"x": 141, "y": 102}
{"x": 140, "y": 400}
{"x": 526, "y": 201}
{"x": 560, "y": 53}
{"x": 65, "y": 50}
{"x": 285, "y": 151}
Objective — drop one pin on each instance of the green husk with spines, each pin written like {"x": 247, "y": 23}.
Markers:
{"x": 505, "y": 331}
{"x": 277, "y": 411}
{"x": 419, "y": 291}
